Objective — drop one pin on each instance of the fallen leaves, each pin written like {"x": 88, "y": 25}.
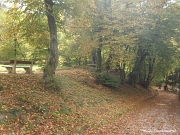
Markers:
{"x": 31, "y": 107}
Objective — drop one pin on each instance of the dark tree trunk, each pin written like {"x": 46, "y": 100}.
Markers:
{"x": 122, "y": 73}
{"x": 94, "y": 56}
{"x": 150, "y": 73}
{"x": 99, "y": 60}
{"x": 166, "y": 82}
{"x": 52, "y": 62}
{"x": 99, "y": 56}
{"x": 136, "y": 73}
{"x": 142, "y": 74}
{"x": 108, "y": 62}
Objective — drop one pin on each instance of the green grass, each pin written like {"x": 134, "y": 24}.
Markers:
{"x": 1, "y": 88}
{"x": 63, "y": 68}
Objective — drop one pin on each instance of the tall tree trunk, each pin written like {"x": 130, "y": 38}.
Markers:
{"x": 52, "y": 61}
{"x": 99, "y": 56}
{"x": 99, "y": 60}
{"x": 150, "y": 73}
{"x": 137, "y": 70}
{"x": 106, "y": 7}
{"x": 93, "y": 56}
{"x": 142, "y": 74}
{"x": 166, "y": 82}
{"x": 122, "y": 72}
{"x": 108, "y": 62}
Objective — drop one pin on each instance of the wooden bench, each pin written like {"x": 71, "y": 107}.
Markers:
{"x": 12, "y": 68}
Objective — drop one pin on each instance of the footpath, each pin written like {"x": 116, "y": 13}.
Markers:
{"x": 157, "y": 116}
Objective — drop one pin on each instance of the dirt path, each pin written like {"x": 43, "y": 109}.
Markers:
{"x": 158, "y": 116}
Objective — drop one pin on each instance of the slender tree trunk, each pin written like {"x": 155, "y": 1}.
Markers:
{"x": 99, "y": 56}
{"x": 166, "y": 82}
{"x": 99, "y": 60}
{"x": 52, "y": 61}
{"x": 93, "y": 56}
{"x": 108, "y": 62}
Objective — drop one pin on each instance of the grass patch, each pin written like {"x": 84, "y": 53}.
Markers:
{"x": 22, "y": 98}
{"x": 108, "y": 80}
{"x": 1, "y": 88}
{"x": 63, "y": 68}
{"x": 64, "y": 110}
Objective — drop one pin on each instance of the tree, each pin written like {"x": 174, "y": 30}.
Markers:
{"x": 168, "y": 50}
{"x": 151, "y": 37}
{"x": 54, "y": 10}
{"x": 52, "y": 61}
{"x": 129, "y": 34}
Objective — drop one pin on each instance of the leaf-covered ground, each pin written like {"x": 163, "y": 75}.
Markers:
{"x": 158, "y": 116}
{"x": 27, "y": 106}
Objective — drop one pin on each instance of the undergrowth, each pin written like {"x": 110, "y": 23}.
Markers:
{"x": 108, "y": 80}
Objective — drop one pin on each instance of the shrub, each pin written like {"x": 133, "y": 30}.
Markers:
{"x": 108, "y": 80}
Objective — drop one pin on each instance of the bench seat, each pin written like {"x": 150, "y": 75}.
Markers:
{"x": 26, "y": 68}
{"x": 12, "y": 68}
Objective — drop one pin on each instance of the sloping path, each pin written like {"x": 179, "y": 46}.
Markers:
{"x": 158, "y": 116}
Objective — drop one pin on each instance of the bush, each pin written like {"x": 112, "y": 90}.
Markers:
{"x": 108, "y": 80}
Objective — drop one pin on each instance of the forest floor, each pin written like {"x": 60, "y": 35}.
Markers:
{"x": 158, "y": 116}
{"x": 81, "y": 106}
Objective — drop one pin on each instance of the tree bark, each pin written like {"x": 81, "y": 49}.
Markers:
{"x": 108, "y": 62}
{"x": 93, "y": 56}
{"x": 52, "y": 62}
{"x": 99, "y": 60}
{"x": 137, "y": 70}
{"x": 122, "y": 73}
{"x": 150, "y": 73}
{"x": 99, "y": 56}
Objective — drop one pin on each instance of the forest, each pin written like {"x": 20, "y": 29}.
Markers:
{"x": 124, "y": 44}
{"x": 138, "y": 39}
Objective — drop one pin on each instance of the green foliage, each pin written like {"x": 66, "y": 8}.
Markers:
{"x": 14, "y": 112}
{"x": 119, "y": 29}
{"x": 64, "y": 110}
{"x": 1, "y": 88}
{"x": 7, "y": 51}
{"x": 108, "y": 80}
{"x": 39, "y": 55}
